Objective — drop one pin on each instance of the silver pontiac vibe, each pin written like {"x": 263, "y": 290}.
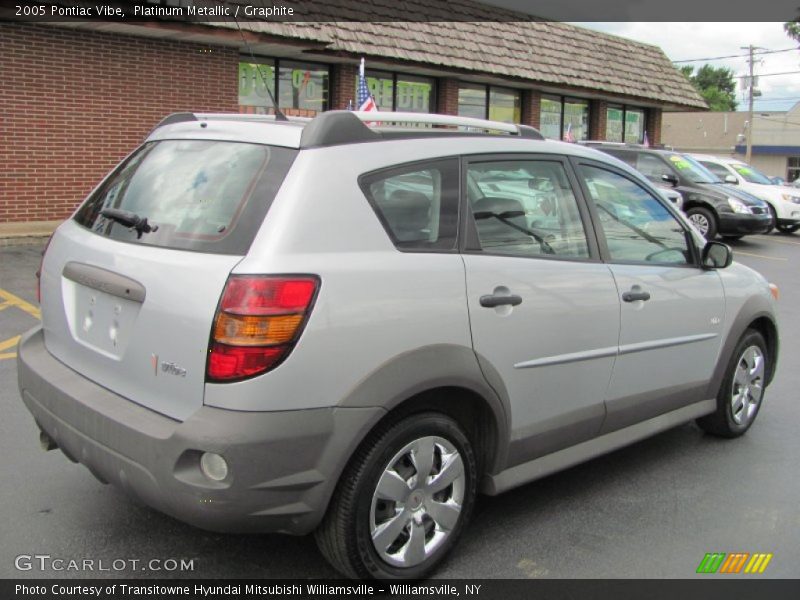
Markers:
{"x": 352, "y": 325}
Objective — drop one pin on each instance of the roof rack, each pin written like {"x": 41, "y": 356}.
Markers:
{"x": 343, "y": 126}
{"x": 336, "y": 127}
{"x": 613, "y": 144}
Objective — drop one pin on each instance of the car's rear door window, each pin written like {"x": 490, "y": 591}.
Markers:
{"x": 417, "y": 204}
{"x": 525, "y": 208}
{"x": 201, "y": 195}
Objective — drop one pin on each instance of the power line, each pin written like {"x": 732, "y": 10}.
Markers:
{"x": 773, "y": 74}
{"x": 687, "y": 60}
{"x": 781, "y": 99}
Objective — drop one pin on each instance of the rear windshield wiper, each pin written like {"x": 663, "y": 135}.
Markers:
{"x": 129, "y": 219}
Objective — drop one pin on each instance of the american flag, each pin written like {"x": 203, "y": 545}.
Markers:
{"x": 365, "y": 100}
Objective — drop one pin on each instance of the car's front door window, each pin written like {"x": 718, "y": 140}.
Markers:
{"x": 636, "y": 225}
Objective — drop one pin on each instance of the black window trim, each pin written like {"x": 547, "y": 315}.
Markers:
{"x": 365, "y": 179}
{"x": 643, "y": 183}
{"x": 468, "y": 234}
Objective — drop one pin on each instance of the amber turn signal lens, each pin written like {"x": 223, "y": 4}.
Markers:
{"x": 773, "y": 289}
{"x": 240, "y": 330}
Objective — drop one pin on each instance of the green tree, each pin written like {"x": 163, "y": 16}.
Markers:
{"x": 792, "y": 29}
{"x": 715, "y": 84}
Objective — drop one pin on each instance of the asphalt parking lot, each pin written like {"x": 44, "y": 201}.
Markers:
{"x": 652, "y": 510}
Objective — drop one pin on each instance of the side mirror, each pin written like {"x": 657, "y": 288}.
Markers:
{"x": 670, "y": 179}
{"x": 731, "y": 179}
{"x": 716, "y": 255}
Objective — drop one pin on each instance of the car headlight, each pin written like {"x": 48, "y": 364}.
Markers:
{"x": 790, "y": 198}
{"x": 739, "y": 207}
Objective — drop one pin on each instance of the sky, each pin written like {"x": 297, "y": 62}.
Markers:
{"x": 682, "y": 41}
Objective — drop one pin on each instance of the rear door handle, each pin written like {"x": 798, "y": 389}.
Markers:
{"x": 636, "y": 293}
{"x": 492, "y": 300}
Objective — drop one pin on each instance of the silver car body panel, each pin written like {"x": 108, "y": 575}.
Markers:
{"x": 152, "y": 352}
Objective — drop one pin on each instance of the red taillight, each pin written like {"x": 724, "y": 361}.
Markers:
{"x": 257, "y": 323}
{"x": 39, "y": 272}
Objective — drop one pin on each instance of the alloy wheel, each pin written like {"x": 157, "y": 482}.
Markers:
{"x": 700, "y": 221}
{"x": 748, "y": 385}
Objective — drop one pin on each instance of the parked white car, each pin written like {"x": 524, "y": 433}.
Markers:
{"x": 784, "y": 200}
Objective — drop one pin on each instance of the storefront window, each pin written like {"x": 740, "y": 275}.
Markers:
{"x": 634, "y": 126}
{"x": 793, "y": 169}
{"x": 489, "y": 102}
{"x": 614, "y": 124}
{"x": 403, "y": 93}
{"x": 381, "y": 86}
{"x": 472, "y": 101}
{"x": 576, "y": 119}
{"x": 504, "y": 105}
{"x": 302, "y": 86}
{"x": 550, "y": 118}
{"x": 253, "y": 81}
{"x": 414, "y": 94}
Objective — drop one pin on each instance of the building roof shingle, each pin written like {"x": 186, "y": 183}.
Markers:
{"x": 547, "y": 53}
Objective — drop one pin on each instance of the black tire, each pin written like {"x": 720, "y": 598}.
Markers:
{"x": 726, "y": 421}
{"x": 345, "y": 535}
{"x": 703, "y": 215}
{"x": 787, "y": 229}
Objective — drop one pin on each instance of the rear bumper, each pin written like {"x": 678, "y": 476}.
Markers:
{"x": 741, "y": 224}
{"x": 283, "y": 466}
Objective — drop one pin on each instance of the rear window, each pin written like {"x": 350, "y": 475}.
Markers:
{"x": 207, "y": 196}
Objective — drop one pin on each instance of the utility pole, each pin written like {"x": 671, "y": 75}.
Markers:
{"x": 750, "y": 88}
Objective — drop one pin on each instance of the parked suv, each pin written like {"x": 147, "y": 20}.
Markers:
{"x": 713, "y": 207}
{"x": 784, "y": 201}
{"x": 339, "y": 327}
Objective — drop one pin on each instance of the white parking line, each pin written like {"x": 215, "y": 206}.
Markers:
{"x": 735, "y": 252}
{"x": 772, "y": 239}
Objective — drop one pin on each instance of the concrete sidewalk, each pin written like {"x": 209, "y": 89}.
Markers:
{"x": 26, "y": 232}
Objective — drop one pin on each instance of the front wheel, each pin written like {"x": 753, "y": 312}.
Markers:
{"x": 742, "y": 390}
{"x": 403, "y": 500}
{"x": 704, "y": 220}
{"x": 787, "y": 228}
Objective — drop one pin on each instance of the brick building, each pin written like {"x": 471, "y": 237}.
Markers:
{"x": 79, "y": 96}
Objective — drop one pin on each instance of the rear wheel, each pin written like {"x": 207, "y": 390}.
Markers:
{"x": 704, "y": 220}
{"x": 403, "y": 500}
{"x": 742, "y": 390}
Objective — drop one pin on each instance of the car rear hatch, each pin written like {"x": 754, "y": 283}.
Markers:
{"x": 129, "y": 303}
